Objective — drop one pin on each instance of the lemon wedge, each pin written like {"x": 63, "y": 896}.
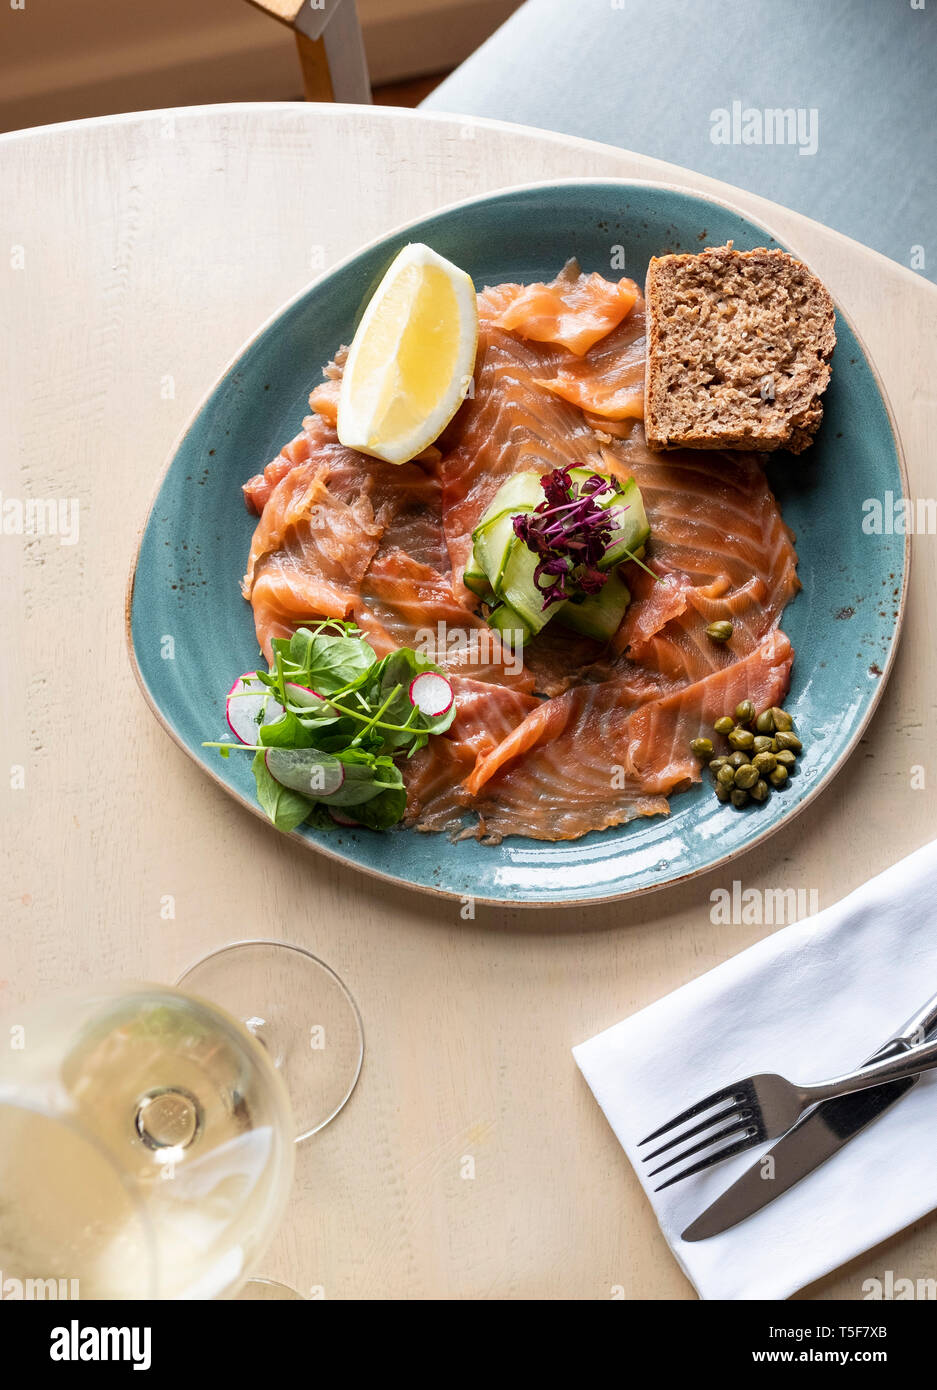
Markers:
{"x": 411, "y": 360}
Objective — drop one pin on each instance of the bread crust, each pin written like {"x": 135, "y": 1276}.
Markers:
{"x": 738, "y": 350}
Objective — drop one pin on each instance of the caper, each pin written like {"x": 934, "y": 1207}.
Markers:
{"x": 741, "y": 738}
{"x": 716, "y": 763}
{"x": 785, "y": 758}
{"x": 738, "y": 796}
{"x": 726, "y": 776}
{"x": 746, "y": 776}
{"x": 760, "y": 790}
{"x": 790, "y": 741}
{"x": 725, "y": 725}
{"x": 721, "y": 631}
{"x": 765, "y": 722}
{"x": 722, "y": 793}
{"x": 782, "y": 720}
{"x": 778, "y": 777}
{"x": 762, "y": 743}
{"x": 774, "y": 745}
{"x": 744, "y": 712}
{"x": 738, "y": 759}
{"x": 765, "y": 762}
{"x": 702, "y": 747}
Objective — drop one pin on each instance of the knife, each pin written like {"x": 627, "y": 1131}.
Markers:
{"x": 816, "y": 1137}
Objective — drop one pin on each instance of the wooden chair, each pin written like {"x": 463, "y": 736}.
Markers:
{"x": 330, "y": 44}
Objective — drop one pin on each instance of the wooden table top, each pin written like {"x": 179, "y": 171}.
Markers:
{"x": 140, "y": 252}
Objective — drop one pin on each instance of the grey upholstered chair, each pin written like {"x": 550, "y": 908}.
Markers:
{"x": 826, "y": 106}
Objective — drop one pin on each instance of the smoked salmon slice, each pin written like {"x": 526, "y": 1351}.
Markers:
{"x": 484, "y": 717}
{"x": 485, "y": 714}
{"x": 569, "y": 736}
{"x": 309, "y": 554}
{"x": 433, "y": 779}
{"x": 558, "y": 769}
{"x": 574, "y": 310}
{"x": 657, "y": 736}
{"x": 327, "y": 513}
{"x": 404, "y": 603}
{"x": 589, "y": 758}
{"x": 608, "y": 381}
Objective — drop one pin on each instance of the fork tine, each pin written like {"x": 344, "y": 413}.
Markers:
{"x": 741, "y": 1111}
{"x": 734, "y": 1091}
{"x": 729, "y": 1151}
{"x": 745, "y": 1125}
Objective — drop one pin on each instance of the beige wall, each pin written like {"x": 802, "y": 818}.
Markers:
{"x": 64, "y": 59}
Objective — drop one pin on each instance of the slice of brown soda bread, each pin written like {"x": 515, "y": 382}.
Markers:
{"x": 739, "y": 344}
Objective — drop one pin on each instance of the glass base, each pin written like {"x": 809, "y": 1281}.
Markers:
{"x": 268, "y": 1291}
{"x": 301, "y": 1012}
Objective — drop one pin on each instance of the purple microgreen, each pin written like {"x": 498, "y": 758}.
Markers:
{"x": 570, "y": 533}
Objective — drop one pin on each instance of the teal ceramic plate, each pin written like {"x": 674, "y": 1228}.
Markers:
{"x": 844, "y": 625}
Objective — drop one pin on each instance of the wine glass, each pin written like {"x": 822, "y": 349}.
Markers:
{"x": 269, "y": 1291}
{"x": 299, "y": 1010}
{"x": 101, "y": 1245}
{"x": 146, "y": 1146}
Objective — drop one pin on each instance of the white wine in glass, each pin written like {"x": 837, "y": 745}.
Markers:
{"x": 146, "y": 1146}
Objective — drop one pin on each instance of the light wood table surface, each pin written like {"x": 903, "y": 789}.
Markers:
{"x": 136, "y": 254}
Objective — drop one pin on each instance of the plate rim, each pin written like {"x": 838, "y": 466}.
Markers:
{"x": 384, "y": 876}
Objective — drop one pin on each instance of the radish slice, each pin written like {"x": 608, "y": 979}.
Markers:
{"x": 431, "y": 693}
{"x": 305, "y": 770}
{"x": 340, "y": 818}
{"x": 303, "y": 695}
{"x": 250, "y": 704}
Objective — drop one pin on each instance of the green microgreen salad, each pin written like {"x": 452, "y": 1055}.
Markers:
{"x": 327, "y": 723}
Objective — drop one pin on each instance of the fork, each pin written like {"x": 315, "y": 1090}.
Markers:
{"x": 765, "y": 1106}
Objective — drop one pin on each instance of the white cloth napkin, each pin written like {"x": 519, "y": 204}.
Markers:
{"x": 811, "y": 1001}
